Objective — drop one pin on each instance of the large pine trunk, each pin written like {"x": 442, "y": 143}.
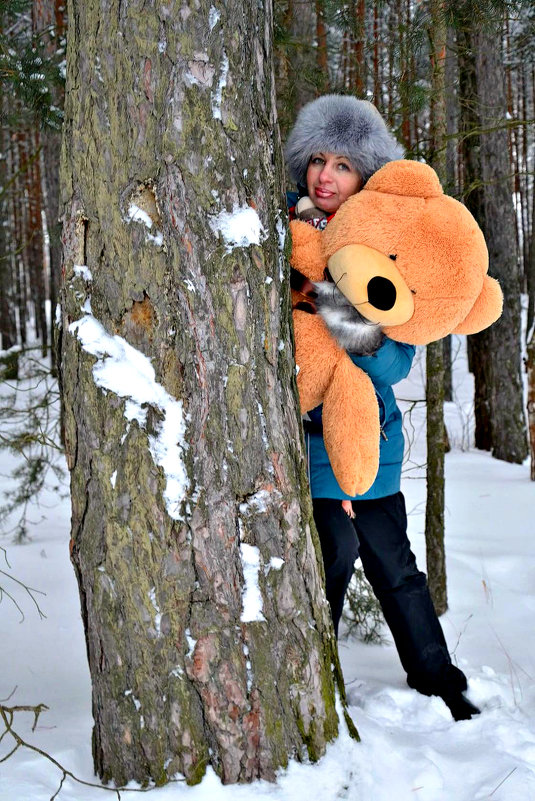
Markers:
{"x": 208, "y": 634}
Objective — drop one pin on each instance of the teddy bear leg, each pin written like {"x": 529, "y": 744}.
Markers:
{"x": 351, "y": 428}
{"x": 316, "y": 354}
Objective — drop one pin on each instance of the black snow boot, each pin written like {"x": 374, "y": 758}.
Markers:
{"x": 460, "y": 707}
{"x": 450, "y": 685}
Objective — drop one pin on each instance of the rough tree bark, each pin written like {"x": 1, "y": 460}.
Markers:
{"x": 208, "y": 634}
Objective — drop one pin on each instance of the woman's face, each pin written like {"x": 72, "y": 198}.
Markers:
{"x": 330, "y": 180}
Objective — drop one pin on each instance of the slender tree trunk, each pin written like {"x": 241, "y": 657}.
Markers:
{"x": 377, "y": 93}
{"x": 404, "y": 76}
{"x": 8, "y": 323}
{"x": 34, "y": 238}
{"x": 299, "y": 76}
{"x": 530, "y": 266}
{"x": 321, "y": 41}
{"x": 478, "y": 346}
{"x": 48, "y": 16}
{"x": 530, "y": 356}
{"x": 208, "y": 633}
{"x": 391, "y": 61}
{"x": 530, "y": 367}
{"x": 508, "y": 425}
{"x": 17, "y": 230}
{"x": 359, "y": 49}
{"x": 436, "y": 433}
{"x": 450, "y": 184}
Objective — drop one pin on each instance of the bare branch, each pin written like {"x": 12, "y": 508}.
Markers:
{"x": 502, "y": 781}
{"x": 7, "y": 714}
{"x": 29, "y": 590}
{"x": 11, "y": 694}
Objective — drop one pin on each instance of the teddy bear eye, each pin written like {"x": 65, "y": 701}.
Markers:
{"x": 392, "y": 257}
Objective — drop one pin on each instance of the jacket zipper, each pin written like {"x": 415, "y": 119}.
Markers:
{"x": 383, "y": 434}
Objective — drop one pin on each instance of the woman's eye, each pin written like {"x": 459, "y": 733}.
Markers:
{"x": 342, "y": 166}
{"x": 317, "y": 160}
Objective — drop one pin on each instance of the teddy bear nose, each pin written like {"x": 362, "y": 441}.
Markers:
{"x": 382, "y": 293}
{"x": 372, "y": 283}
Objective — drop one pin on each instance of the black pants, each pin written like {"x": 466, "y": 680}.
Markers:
{"x": 379, "y": 535}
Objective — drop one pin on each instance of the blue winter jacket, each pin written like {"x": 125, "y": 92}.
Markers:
{"x": 390, "y": 364}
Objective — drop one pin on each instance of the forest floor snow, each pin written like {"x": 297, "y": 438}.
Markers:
{"x": 411, "y": 749}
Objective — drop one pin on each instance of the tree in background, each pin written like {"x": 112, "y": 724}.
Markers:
{"x": 49, "y": 25}
{"x": 300, "y": 56}
{"x": 31, "y": 78}
{"x": 495, "y": 354}
{"x": 435, "y": 371}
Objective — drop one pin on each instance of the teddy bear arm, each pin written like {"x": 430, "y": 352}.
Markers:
{"x": 307, "y": 254}
{"x": 351, "y": 428}
{"x": 316, "y": 355}
{"x": 485, "y": 311}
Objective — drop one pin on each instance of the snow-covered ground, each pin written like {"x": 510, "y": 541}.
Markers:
{"x": 411, "y": 749}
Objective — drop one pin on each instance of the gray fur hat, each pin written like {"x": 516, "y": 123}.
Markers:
{"x": 343, "y": 125}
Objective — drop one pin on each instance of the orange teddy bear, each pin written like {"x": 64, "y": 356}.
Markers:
{"x": 413, "y": 263}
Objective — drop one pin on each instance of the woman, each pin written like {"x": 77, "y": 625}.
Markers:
{"x": 337, "y": 143}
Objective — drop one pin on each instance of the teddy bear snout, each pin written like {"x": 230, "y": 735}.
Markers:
{"x": 372, "y": 283}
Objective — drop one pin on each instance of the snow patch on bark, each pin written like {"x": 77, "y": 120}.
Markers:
{"x": 239, "y": 228}
{"x": 282, "y": 229}
{"x": 248, "y": 667}
{"x": 83, "y": 271}
{"x": 275, "y": 563}
{"x": 125, "y": 371}
{"x": 158, "y": 615}
{"x": 252, "y": 597}
{"x": 136, "y": 214}
{"x": 213, "y": 17}
{"x": 259, "y": 502}
{"x": 191, "y": 643}
{"x": 217, "y": 99}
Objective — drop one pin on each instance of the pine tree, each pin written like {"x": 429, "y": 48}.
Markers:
{"x": 209, "y": 638}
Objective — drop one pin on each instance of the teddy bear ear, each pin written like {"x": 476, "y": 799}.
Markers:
{"x": 407, "y": 178}
{"x": 307, "y": 256}
{"x": 485, "y": 311}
